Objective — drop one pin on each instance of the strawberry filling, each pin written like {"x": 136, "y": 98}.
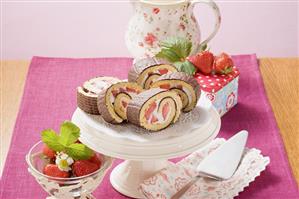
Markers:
{"x": 125, "y": 104}
{"x": 114, "y": 92}
{"x": 154, "y": 119}
{"x": 165, "y": 110}
{"x": 163, "y": 71}
{"x": 122, "y": 90}
{"x": 165, "y": 86}
{"x": 150, "y": 110}
{"x": 179, "y": 86}
{"x": 131, "y": 90}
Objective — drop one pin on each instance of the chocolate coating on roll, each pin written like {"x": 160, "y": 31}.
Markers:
{"x": 87, "y": 93}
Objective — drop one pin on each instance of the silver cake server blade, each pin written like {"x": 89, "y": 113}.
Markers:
{"x": 222, "y": 163}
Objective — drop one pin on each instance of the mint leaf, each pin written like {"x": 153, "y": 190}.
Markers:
{"x": 175, "y": 49}
{"x": 169, "y": 55}
{"x": 50, "y": 138}
{"x": 180, "y": 46}
{"x": 79, "y": 151}
{"x": 186, "y": 67}
{"x": 69, "y": 133}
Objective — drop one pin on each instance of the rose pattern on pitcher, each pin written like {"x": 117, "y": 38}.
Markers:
{"x": 156, "y": 10}
{"x": 150, "y": 38}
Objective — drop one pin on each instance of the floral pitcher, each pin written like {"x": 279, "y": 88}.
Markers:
{"x": 155, "y": 20}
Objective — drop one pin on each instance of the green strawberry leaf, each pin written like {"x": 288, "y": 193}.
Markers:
{"x": 168, "y": 55}
{"x": 203, "y": 47}
{"x": 51, "y": 139}
{"x": 79, "y": 151}
{"x": 186, "y": 67}
{"x": 181, "y": 46}
{"x": 69, "y": 133}
{"x": 175, "y": 49}
{"x": 227, "y": 70}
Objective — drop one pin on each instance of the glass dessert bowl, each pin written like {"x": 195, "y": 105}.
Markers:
{"x": 66, "y": 188}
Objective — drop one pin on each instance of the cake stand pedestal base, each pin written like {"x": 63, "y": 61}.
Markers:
{"x": 127, "y": 176}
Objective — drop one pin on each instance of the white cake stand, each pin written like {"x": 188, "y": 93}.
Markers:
{"x": 144, "y": 155}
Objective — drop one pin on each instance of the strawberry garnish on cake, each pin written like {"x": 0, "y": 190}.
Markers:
{"x": 65, "y": 156}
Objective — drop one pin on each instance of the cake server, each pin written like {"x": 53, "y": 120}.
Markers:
{"x": 222, "y": 163}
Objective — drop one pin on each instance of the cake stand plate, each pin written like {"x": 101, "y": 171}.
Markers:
{"x": 146, "y": 153}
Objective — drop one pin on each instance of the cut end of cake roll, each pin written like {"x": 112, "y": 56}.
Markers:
{"x": 113, "y": 101}
{"x": 184, "y": 85}
{"x": 146, "y": 71}
{"x": 87, "y": 93}
{"x": 154, "y": 109}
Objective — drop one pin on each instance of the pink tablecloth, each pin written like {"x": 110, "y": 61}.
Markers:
{"x": 50, "y": 98}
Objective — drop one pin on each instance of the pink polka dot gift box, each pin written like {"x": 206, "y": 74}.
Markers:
{"x": 221, "y": 89}
{"x": 216, "y": 74}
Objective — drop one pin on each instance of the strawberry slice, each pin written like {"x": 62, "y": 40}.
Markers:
{"x": 179, "y": 86}
{"x": 125, "y": 104}
{"x": 48, "y": 152}
{"x": 84, "y": 167}
{"x": 150, "y": 110}
{"x": 163, "y": 71}
{"x": 132, "y": 90}
{"x": 165, "y": 86}
{"x": 203, "y": 61}
{"x": 53, "y": 171}
{"x": 122, "y": 90}
{"x": 154, "y": 119}
{"x": 114, "y": 92}
{"x": 165, "y": 110}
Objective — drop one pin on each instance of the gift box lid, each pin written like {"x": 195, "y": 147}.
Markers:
{"x": 213, "y": 83}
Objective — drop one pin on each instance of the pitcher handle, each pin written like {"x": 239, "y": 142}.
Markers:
{"x": 217, "y": 14}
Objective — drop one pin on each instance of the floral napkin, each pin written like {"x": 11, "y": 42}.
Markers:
{"x": 166, "y": 183}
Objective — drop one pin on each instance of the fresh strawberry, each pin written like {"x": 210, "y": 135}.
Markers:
{"x": 48, "y": 152}
{"x": 223, "y": 64}
{"x": 84, "y": 167}
{"x": 203, "y": 61}
{"x": 96, "y": 159}
{"x": 53, "y": 171}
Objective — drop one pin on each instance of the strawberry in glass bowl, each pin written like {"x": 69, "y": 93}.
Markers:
{"x": 64, "y": 167}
